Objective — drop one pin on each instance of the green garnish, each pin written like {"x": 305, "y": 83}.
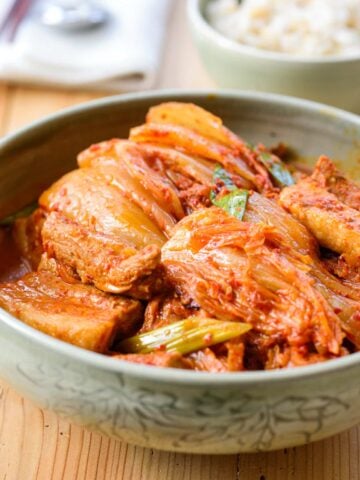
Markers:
{"x": 184, "y": 336}
{"x": 221, "y": 175}
{"x": 24, "y": 212}
{"x": 277, "y": 169}
{"x": 234, "y": 203}
{"x": 250, "y": 146}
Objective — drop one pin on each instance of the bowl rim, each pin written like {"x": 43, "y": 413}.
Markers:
{"x": 173, "y": 375}
{"x": 197, "y": 18}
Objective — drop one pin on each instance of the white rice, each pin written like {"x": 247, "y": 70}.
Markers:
{"x": 299, "y": 27}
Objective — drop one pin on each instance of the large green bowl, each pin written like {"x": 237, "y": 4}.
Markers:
{"x": 167, "y": 408}
{"x": 330, "y": 79}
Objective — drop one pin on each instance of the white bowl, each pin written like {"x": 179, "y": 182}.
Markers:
{"x": 334, "y": 80}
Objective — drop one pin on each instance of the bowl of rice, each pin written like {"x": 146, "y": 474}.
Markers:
{"x": 304, "y": 48}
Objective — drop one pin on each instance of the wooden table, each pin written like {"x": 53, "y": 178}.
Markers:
{"x": 36, "y": 444}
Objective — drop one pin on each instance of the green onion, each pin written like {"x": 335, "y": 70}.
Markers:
{"x": 184, "y": 336}
{"x": 234, "y": 203}
{"x": 24, "y": 212}
{"x": 221, "y": 174}
{"x": 250, "y": 146}
{"x": 277, "y": 169}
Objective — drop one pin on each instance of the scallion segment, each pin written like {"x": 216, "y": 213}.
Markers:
{"x": 221, "y": 174}
{"x": 277, "y": 169}
{"x": 184, "y": 336}
{"x": 234, "y": 203}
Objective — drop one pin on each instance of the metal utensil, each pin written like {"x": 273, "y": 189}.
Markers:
{"x": 72, "y": 15}
{"x": 12, "y": 20}
{"x": 68, "y": 15}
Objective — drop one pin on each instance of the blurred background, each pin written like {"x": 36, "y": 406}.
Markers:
{"x": 90, "y": 48}
{"x": 179, "y": 66}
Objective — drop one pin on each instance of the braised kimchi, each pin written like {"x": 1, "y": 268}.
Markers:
{"x": 184, "y": 246}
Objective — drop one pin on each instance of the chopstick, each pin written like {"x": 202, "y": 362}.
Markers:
{"x": 13, "y": 19}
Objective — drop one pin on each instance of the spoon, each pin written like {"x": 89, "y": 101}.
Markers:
{"x": 72, "y": 15}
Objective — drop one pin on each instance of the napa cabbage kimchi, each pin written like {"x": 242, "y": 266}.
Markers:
{"x": 184, "y": 246}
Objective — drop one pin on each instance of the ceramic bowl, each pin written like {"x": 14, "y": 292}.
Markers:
{"x": 174, "y": 409}
{"x": 333, "y": 80}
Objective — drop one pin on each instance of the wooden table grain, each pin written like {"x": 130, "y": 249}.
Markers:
{"x": 38, "y": 445}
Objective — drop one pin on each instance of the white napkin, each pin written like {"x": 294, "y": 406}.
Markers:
{"x": 123, "y": 55}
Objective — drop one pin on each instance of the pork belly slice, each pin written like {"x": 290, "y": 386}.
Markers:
{"x": 27, "y": 236}
{"x": 327, "y": 175}
{"x": 100, "y": 259}
{"x": 96, "y": 232}
{"x": 335, "y": 224}
{"x": 75, "y": 313}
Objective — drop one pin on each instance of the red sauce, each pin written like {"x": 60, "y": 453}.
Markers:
{"x": 12, "y": 265}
